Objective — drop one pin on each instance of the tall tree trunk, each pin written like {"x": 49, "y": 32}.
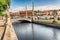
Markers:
{"x": 55, "y": 16}
{"x": 55, "y": 19}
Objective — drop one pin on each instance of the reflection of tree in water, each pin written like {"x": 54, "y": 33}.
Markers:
{"x": 54, "y": 34}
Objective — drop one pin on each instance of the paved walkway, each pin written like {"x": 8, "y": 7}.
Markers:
{"x": 1, "y": 31}
{"x": 2, "y": 22}
{"x": 10, "y": 33}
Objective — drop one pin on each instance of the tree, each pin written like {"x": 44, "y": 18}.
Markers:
{"x": 55, "y": 16}
{"x": 3, "y": 6}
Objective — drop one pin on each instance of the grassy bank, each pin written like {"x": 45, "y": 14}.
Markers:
{"x": 49, "y": 21}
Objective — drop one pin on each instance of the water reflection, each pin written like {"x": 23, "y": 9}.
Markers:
{"x": 24, "y": 32}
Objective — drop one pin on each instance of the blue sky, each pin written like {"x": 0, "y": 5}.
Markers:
{"x": 19, "y": 5}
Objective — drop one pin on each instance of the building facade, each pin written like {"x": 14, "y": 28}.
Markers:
{"x": 44, "y": 13}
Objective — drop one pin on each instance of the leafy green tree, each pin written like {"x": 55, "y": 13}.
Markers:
{"x": 1, "y": 9}
{"x": 3, "y": 6}
{"x": 55, "y": 16}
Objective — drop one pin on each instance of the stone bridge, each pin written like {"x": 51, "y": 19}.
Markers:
{"x": 21, "y": 19}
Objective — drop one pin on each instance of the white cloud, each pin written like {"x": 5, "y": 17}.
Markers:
{"x": 14, "y": 9}
{"x": 47, "y": 7}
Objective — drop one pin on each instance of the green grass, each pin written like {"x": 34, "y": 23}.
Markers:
{"x": 49, "y": 21}
{"x": 58, "y": 21}
{"x": 46, "y": 20}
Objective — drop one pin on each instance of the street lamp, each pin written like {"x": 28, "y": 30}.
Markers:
{"x": 26, "y": 11}
{"x": 32, "y": 18}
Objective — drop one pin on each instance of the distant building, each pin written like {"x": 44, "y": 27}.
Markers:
{"x": 44, "y": 13}
{"x": 23, "y": 13}
{"x": 14, "y": 14}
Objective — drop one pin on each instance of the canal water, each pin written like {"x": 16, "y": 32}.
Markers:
{"x": 25, "y": 31}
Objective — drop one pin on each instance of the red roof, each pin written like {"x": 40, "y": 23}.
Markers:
{"x": 23, "y": 13}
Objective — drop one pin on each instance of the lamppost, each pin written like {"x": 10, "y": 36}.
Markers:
{"x": 26, "y": 11}
{"x": 32, "y": 18}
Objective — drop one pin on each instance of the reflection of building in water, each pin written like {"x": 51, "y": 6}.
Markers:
{"x": 48, "y": 14}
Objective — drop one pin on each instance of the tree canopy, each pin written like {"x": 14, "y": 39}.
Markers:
{"x": 5, "y": 2}
{"x": 3, "y": 5}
